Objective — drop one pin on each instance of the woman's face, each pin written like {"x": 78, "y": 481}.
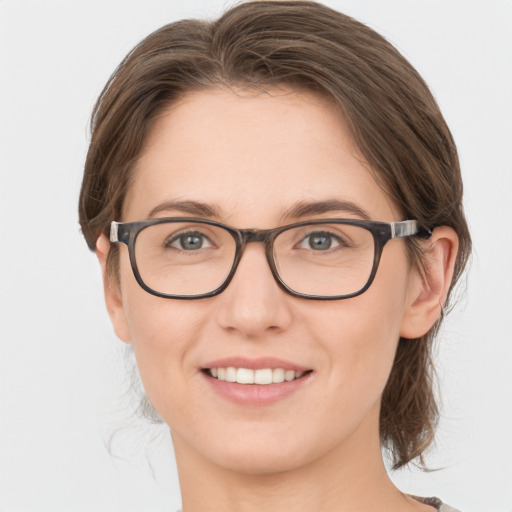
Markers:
{"x": 248, "y": 158}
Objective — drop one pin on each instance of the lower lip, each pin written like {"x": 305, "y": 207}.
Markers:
{"x": 255, "y": 395}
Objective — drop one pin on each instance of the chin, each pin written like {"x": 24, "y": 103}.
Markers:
{"x": 264, "y": 451}
{"x": 261, "y": 462}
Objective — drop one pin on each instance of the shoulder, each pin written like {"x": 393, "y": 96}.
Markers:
{"x": 447, "y": 508}
{"x": 436, "y": 503}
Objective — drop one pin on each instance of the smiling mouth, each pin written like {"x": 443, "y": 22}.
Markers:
{"x": 263, "y": 376}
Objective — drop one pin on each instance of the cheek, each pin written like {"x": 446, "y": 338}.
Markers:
{"x": 361, "y": 334}
{"x": 360, "y": 347}
{"x": 157, "y": 326}
{"x": 162, "y": 333}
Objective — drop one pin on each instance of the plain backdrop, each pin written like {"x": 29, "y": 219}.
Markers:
{"x": 62, "y": 376}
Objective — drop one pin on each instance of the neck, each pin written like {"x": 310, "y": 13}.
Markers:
{"x": 350, "y": 477}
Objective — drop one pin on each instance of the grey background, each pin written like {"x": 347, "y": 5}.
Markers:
{"x": 62, "y": 377}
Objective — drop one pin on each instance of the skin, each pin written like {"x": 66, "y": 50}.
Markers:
{"x": 254, "y": 155}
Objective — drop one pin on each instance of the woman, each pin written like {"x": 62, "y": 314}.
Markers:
{"x": 276, "y": 204}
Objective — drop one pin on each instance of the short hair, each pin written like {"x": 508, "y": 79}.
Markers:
{"x": 391, "y": 113}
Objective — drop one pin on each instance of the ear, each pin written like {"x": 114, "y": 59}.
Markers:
{"x": 429, "y": 289}
{"x": 112, "y": 291}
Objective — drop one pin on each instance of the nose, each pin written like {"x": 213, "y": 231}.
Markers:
{"x": 253, "y": 305}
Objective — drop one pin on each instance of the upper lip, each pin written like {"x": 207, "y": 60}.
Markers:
{"x": 255, "y": 364}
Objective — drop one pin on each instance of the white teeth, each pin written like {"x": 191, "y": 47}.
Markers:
{"x": 245, "y": 376}
{"x": 262, "y": 376}
{"x": 278, "y": 375}
{"x": 230, "y": 374}
{"x": 289, "y": 375}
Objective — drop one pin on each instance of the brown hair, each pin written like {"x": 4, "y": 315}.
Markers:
{"x": 392, "y": 115}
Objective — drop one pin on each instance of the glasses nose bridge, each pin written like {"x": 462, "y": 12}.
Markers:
{"x": 255, "y": 235}
{"x": 264, "y": 236}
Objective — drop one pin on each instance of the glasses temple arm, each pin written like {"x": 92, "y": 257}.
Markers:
{"x": 408, "y": 228}
{"x": 114, "y": 235}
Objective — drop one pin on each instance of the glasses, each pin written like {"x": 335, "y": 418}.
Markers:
{"x": 189, "y": 258}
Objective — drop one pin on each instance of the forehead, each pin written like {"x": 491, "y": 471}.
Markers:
{"x": 252, "y": 151}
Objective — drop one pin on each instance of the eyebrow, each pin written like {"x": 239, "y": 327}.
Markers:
{"x": 187, "y": 207}
{"x": 305, "y": 209}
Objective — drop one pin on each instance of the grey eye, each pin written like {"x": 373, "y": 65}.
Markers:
{"x": 320, "y": 241}
{"x": 189, "y": 241}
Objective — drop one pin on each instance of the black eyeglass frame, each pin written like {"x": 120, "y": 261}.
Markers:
{"x": 383, "y": 232}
